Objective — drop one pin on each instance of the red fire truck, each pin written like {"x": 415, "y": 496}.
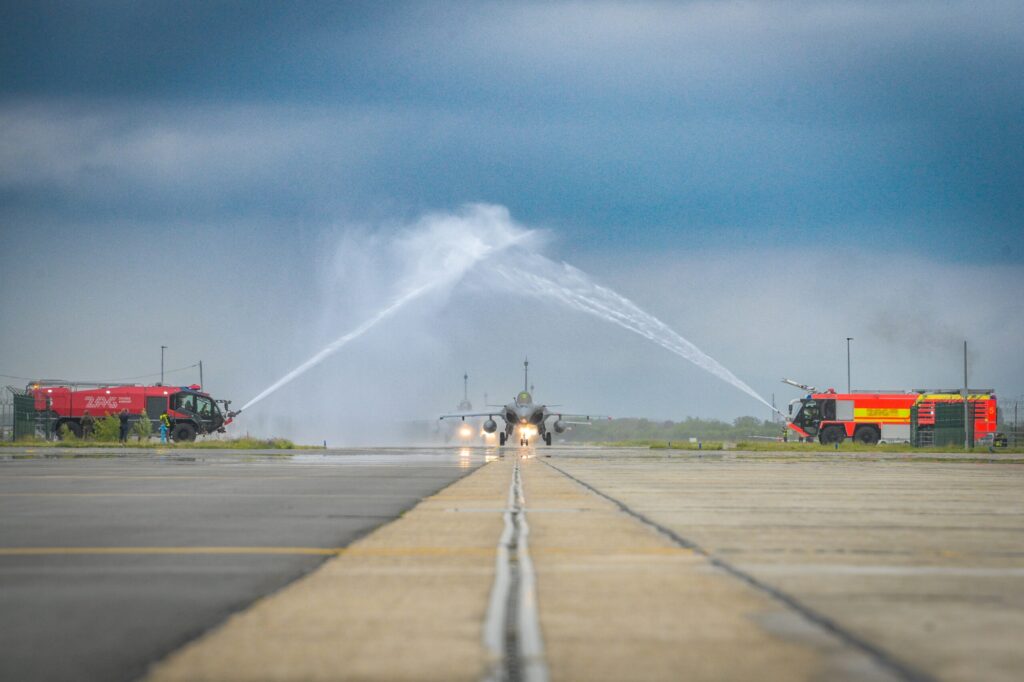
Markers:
{"x": 870, "y": 417}
{"x": 191, "y": 411}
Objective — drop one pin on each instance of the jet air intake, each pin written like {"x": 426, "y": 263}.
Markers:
{"x": 490, "y": 426}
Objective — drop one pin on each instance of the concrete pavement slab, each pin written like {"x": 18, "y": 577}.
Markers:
{"x": 621, "y": 601}
{"x": 921, "y": 558}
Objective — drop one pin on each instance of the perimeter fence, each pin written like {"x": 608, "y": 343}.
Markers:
{"x": 19, "y": 418}
{"x": 1011, "y": 420}
{"x": 6, "y": 415}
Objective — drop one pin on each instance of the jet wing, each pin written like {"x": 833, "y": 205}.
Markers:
{"x": 463, "y": 415}
{"x": 580, "y": 418}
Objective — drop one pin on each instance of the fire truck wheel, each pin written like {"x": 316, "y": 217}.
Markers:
{"x": 868, "y": 435}
{"x": 183, "y": 433}
{"x": 832, "y": 434}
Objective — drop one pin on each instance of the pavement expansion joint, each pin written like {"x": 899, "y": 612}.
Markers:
{"x": 511, "y": 631}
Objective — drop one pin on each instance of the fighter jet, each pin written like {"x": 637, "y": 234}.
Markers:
{"x": 525, "y": 415}
{"x": 466, "y": 431}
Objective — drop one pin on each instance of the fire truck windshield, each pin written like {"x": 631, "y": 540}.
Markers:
{"x": 808, "y": 415}
{"x": 195, "y": 404}
{"x": 204, "y": 406}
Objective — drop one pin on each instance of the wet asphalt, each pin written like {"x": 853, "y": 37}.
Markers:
{"x": 108, "y": 616}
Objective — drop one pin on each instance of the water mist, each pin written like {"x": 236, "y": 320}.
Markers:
{"x": 436, "y": 253}
{"x": 439, "y": 250}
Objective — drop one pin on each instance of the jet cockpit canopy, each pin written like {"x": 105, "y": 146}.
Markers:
{"x": 524, "y": 398}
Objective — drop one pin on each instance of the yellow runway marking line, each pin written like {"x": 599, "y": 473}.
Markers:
{"x": 56, "y": 551}
{"x": 216, "y": 493}
{"x": 176, "y": 477}
{"x": 316, "y": 551}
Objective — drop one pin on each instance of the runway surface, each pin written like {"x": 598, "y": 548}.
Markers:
{"x": 169, "y": 545}
{"x": 642, "y": 565}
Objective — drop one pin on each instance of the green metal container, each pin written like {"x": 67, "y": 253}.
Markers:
{"x": 24, "y": 416}
{"x": 947, "y": 430}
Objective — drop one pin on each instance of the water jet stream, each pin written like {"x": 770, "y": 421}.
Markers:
{"x": 572, "y": 287}
{"x": 445, "y": 249}
{"x": 340, "y": 342}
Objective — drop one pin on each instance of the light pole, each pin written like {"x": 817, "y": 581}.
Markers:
{"x": 162, "y": 349}
{"x": 967, "y": 418}
{"x": 848, "y": 339}
{"x": 1015, "y": 404}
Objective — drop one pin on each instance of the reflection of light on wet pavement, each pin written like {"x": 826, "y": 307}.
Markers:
{"x": 464, "y": 457}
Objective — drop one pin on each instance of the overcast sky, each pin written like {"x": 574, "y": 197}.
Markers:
{"x": 766, "y": 177}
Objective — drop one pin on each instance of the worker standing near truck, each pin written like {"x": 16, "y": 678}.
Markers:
{"x": 122, "y": 435}
{"x": 165, "y": 427}
{"x": 88, "y": 424}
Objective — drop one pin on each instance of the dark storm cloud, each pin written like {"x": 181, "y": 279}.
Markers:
{"x": 820, "y": 122}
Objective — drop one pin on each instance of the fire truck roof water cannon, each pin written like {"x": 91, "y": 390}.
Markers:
{"x": 191, "y": 411}
{"x": 923, "y": 417}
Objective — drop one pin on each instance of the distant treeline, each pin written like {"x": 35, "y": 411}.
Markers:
{"x": 691, "y": 427}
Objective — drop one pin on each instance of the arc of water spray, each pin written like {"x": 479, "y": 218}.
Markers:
{"x": 573, "y": 288}
{"x": 566, "y": 285}
{"x": 453, "y": 272}
{"x": 340, "y": 342}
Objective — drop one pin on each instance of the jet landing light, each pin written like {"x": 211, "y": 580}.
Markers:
{"x": 527, "y": 431}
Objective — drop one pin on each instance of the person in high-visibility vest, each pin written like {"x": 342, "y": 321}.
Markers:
{"x": 165, "y": 427}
